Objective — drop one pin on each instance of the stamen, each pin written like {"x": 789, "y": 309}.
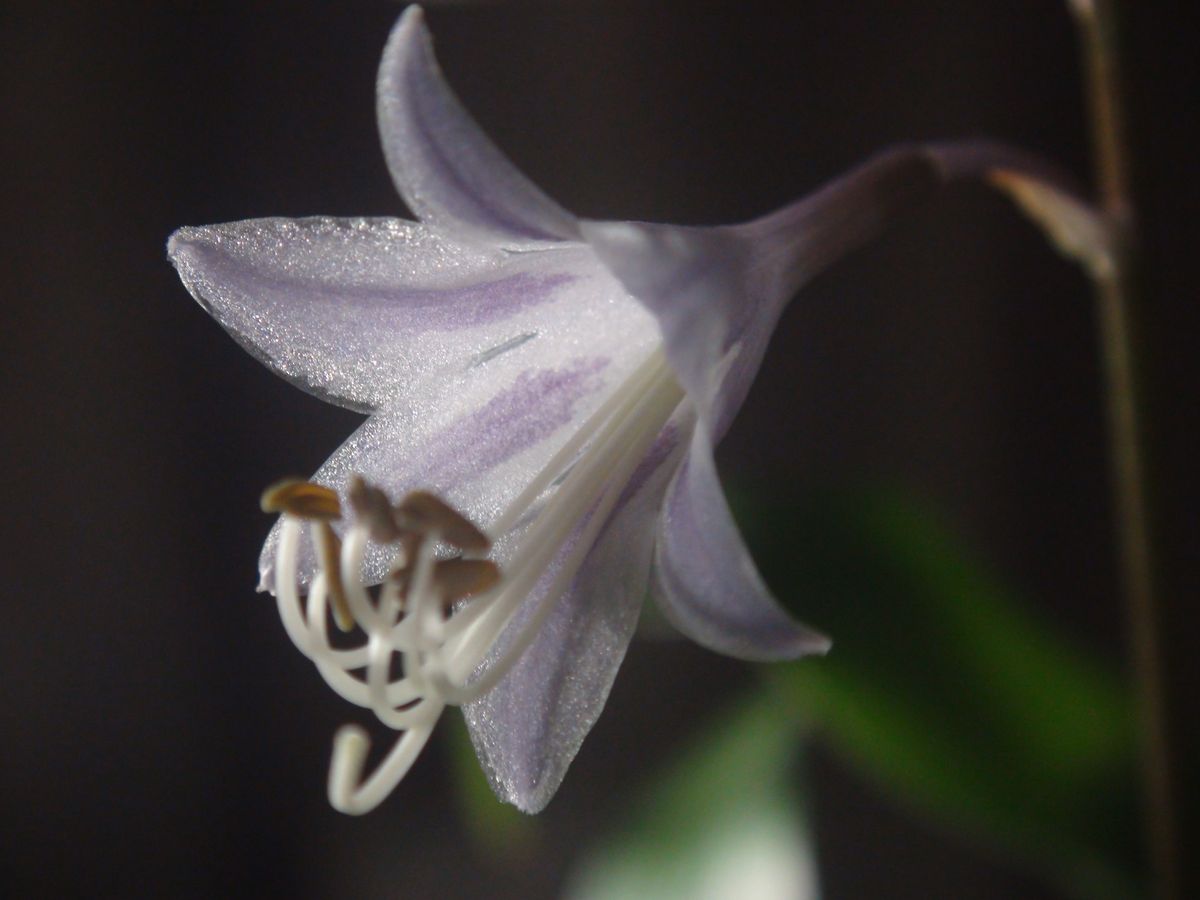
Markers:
{"x": 558, "y": 525}
{"x": 302, "y": 499}
{"x": 372, "y": 507}
{"x": 347, "y": 791}
{"x": 445, "y": 646}
{"x": 329, "y": 553}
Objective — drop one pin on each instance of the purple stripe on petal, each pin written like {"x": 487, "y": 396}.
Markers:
{"x": 459, "y": 458}
{"x": 533, "y": 408}
{"x": 451, "y": 308}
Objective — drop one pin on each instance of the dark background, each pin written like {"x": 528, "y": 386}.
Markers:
{"x": 161, "y": 735}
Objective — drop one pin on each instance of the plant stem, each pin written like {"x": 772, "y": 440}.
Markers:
{"x": 1115, "y": 300}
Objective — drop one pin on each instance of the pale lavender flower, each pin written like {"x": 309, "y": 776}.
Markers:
{"x": 560, "y": 382}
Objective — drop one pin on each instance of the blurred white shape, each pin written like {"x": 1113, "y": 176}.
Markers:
{"x": 760, "y": 853}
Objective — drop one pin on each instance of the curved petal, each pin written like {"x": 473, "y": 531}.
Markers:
{"x": 708, "y": 586}
{"x": 718, "y": 292}
{"x": 445, "y": 168}
{"x": 529, "y": 727}
{"x": 361, "y": 311}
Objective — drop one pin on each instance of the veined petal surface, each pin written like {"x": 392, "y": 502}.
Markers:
{"x": 445, "y": 167}
{"x": 477, "y": 440}
{"x": 708, "y": 586}
{"x": 361, "y": 312}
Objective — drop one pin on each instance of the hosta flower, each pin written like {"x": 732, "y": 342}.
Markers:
{"x": 544, "y": 396}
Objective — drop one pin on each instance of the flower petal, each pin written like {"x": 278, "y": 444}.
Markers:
{"x": 718, "y": 292}
{"x": 708, "y": 586}
{"x": 446, "y": 169}
{"x": 361, "y": 311}
{"x": 529, "y": 727}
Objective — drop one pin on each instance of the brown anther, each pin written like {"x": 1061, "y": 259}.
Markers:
{"x": 427, "y": 512}
{"x": 302, "y": 499}
{"x": 374, "y": 509}
{"x": 454, "y": 579}
{"x": 329, "y": 553}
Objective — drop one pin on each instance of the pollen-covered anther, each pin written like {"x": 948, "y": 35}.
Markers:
{"x": 302, "y": 499}
{"x": 319, "y": 505}
{"x": 427, "y": 513}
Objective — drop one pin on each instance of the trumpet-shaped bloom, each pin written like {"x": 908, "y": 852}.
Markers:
{"x": 560, "y": 384}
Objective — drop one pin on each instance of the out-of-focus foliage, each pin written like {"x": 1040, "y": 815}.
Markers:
{"x": 723, "y": 822}
{"x": 947, "y": 691}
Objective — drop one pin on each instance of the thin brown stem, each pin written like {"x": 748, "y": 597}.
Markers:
{"x": 1098, "y": 34}
{"x": 1115, "y": 302}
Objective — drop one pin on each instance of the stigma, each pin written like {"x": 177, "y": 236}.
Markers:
{"x": 444, "y": 605}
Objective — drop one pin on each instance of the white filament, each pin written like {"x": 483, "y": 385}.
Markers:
{"x": 446, "y": 656}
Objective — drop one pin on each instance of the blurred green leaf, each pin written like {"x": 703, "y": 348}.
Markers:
{"x": 945, "y": 689}
{"x": 722, "y": 822}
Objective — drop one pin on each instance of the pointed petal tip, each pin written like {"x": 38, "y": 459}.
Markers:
{"x": 708, "y": 585}
{"x": 814, "y": 644}
{"x": 527, "y": 792}
{"x": 786, "y": 641}
{"x": 409, "y": 33}
{"x": 187, "y": 249}
{"x": 530, "y": 801}
{"x": 179, "y": 241}
{"x": 413, "y": 13}
{"x": 444, "y": 166}
{"x": 186, "y": 252}
{"x": 514, "y": 786}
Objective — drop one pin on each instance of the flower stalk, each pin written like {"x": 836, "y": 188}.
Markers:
{"x": 1116, "y": 300}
